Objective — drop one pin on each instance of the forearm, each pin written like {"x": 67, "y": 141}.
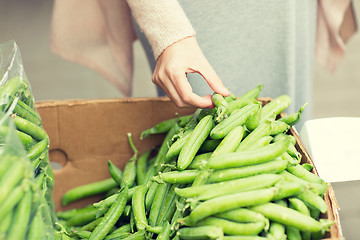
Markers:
{"x": 162, "y": 21}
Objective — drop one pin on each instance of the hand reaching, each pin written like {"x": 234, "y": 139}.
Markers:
{"x": 180, "y": 58}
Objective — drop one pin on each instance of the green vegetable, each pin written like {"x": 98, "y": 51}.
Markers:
{"x": 111, "y": 217}
{"x": 230, "y": 142}
{"x": 29, "y": 128}
{"x": 138, "y": 203}
{"x": 238, "y": 159}
{"x": 115, "y": 172}
{"x": 273, "y": 166}
{"x": 89, "y": 189}
{"x": 202, "y": 232}
{"x": 290, "y": 217}
{"x": 237, "y": 118}
{"x": 233, "y": 228}
{"x": 195, "y": 141}
{"x": 21, "y": 218}
{"x": 229, "y": 202}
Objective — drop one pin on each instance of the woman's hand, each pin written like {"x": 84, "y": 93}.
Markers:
{"x": 172, "y": 66}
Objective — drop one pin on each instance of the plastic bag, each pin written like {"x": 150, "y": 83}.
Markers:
{"x": 24, "y": 210}
{"x": 17, "y": 101}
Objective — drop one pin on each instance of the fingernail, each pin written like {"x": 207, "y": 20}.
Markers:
{"x": 226, "y": 91}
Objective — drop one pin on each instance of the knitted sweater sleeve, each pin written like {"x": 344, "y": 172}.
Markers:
{"x": 163, "y": 22}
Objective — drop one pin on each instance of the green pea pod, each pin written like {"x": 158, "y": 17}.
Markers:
{"x": 239, "y": 159}
{"x": 230, "y": 142}
{"x": 233, "y": 228}
{"x": 318, "y": 188}
{"x": 165, "y": 232}
{"x": 299, "y": 205}
{"x": 288, "y": 189}
{"x": 229, "y": 202}
{"x": 242, "y": 237}
{"x": 157, "y": 203}
{"x": 6, "y": 162}
{"x": 138, "y": 203}
{"x": 200, "y": 161}
{"x": 175, "y": 148}
{"x": 23, "y": 110}
{"x": 291, "y": 150}
{"x": 164, "y": 148}
{"x": 12, "y": 88}
{"x": 313, "y": 200}
{"x": 261, "y": 142}
{"x": 205, "y": 112}
{"x": 230, "y": 98}
{"x": 141, "y": 167}
{"x": 29, "y": 128}
{"x": 209, "y": 146}
{"x": 139, "y": 235}
{"x": 264, "y": 129}
{"x": 208, "y": 191}
{"x": 248, "y": 97}
{"x": 293, "y": 233}
{"x": 165, "y": 126}
{"x": 276, "y": 231}
{"x": 73, "y": 212}
{"x": 26, "y": 139}
{"x": 87, "y": 190}
{"x": 237, "y": 118}
{"x": 201, "y": 232}
{"x": 111, "y": 217}
{"x": 291, "y": 217}
{"x": 37, "y": 228}
{"x": 275, "y": 107}
{"x": 150, "y": 195}
{"x": 115, "y": 172}
{"x": 83, "y": 218}
{"x": 36, "y": 150}
{"x": 301, "y": 172}
{"x": 181, "y": 177}
{"x": 221, "y": 106}
{"x": 166, "y": 206}
{"x": 10, "y": 179}
{"x": 12, "y": 200}
{"x": 129, "y": 174}
{"x": 294, "y": 118}
{"x": 91, "y": 225}
{"x": 197, "y": 137}
{"x": 202, "y": 178}
{"x": 278, "y": 127}
{"x": 21, "y": 218}
{"x": 253, "y": 120}
{"x": 83, "y": 234}
{"x": 120, "y": 232}
{"x": 244, "y": 215}
{"x": 5, "y": 224}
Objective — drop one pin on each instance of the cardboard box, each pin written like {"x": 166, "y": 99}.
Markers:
{"x": 85, "y": 134}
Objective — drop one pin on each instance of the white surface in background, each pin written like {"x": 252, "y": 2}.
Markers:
{"x": 334, "y": 146}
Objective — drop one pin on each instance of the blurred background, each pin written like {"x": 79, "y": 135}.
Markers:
{"x": 51, "y": 77}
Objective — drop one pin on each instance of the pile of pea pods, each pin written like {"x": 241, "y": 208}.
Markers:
{"x": 231, "y": 172}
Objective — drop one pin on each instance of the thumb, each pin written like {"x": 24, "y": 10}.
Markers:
{"x": 214, "y": 81}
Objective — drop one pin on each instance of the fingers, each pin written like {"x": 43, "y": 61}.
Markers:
{"x": 214, "y": 81}
{"x": 174, "y": 63}
{"x": 178, "y": 89}
{"x": 186, "y": 93}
